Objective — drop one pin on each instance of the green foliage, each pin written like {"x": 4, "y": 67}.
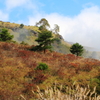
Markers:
{"x": 42, "y": 66}
{"x": 58, "y": 40}
{"x": 5, "y": 35}
{"x": 13, "y": 41}
{"x": 21, "y": 26}
{"x": 45, "y": 39}
{"x": 41, "y": 27}
{"x": 95, "y": 82}
{"x": 43, "y": 24}
{"x": 36, "y": 48}
{"x": 76, "y": 49}
{"x": 23, "y": 43}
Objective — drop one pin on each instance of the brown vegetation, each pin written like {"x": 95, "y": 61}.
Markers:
{"x": 19, "y": 77}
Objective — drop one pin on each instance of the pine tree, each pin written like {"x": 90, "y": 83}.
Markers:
{"x": 45, "y": 39}
{"x": 5, "y": 35}
{"x": 76, "y": 49}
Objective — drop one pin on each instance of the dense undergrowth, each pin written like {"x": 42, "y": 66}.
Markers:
{"x": 19, "y": 76}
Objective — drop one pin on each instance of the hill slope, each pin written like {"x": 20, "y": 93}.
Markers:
{"x": 18, "y": 74}
{"x": 28, "y": 34}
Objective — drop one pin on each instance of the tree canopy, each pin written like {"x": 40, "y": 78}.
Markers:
{"x": 45, "y": 39}
{"x": 76, "y": 49}
{"x": 43, "y": 24}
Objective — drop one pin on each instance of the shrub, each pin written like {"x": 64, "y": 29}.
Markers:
{"x": 42, "y": 66}
{"x": 5, "y": 35}
{"x": 23, "y": 43}
{"x": 21, "y": 26}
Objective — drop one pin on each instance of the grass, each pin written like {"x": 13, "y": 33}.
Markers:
{"x": 71, "y": 93}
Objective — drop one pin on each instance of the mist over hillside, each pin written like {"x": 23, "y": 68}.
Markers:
{"x": 90, "y": 52}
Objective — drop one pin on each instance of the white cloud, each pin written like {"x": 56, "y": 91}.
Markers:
{"x": 14, "y": 3}
{"x": 83, "y": 28}
{"x": 3, "y": 16}
{"x": 10, "y": 4}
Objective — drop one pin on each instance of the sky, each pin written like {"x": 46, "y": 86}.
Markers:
{"x": 79, "y": 20}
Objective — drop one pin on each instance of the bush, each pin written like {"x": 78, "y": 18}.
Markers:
{"x": 23, "y": 43}
{"x": 58, "y": 40}
{"x": 5, "y": 35}
{"x": 42, "y": 66}
{"x": 21, "y": 26}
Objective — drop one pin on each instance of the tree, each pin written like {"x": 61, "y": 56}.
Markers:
{"x": 76, "y": 49}
{"x": 43, "y": 24}
{"x": 56, "y": 29}
{"x": 5, "y": 35}
{"x": 21, "y": 26}
{"x": 45, "y": 39}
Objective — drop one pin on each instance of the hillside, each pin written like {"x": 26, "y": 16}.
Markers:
{"x": 28, "y": 34}
{"x": 18, "y": 74}
{"x": 22, "y": 70}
